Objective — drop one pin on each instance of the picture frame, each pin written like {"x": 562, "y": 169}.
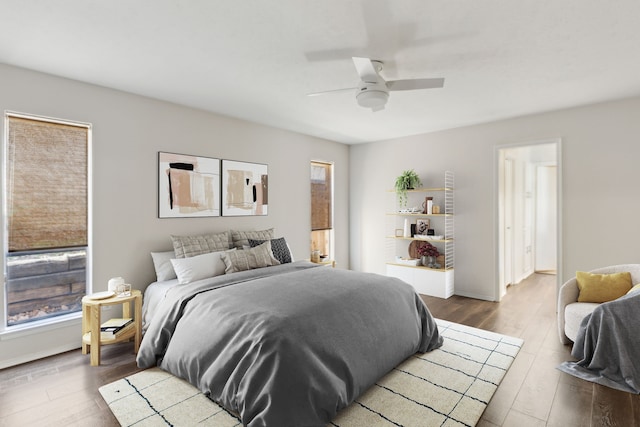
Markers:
{"x": 188, "y": 186}
{"x": 422, "y": 225}
{"x": 245, "y": 188}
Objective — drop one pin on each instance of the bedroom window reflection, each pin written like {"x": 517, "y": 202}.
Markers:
{"x": 46, "y": 217}
{"x": 322, "y": 208}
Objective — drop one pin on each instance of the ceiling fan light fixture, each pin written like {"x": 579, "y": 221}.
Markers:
{"x": 372, "y": 98}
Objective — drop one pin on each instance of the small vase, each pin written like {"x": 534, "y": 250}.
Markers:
{"x": 431, "y": 262}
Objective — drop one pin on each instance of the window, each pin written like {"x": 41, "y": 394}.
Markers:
{"x": 46, "y": 217}
{"x": 322, "y": 208}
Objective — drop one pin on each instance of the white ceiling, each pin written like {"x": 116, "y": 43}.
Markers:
{"x": 257, "y": 59}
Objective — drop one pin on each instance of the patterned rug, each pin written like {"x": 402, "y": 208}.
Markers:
{"x": 450, "y": 386}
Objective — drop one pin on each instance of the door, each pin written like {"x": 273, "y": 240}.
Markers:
{"x": 546, "y": 219}
{"x": 508, "y": 222}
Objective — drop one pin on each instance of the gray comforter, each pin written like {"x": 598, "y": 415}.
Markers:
{"x": 607, "y": 347}
{"x": 288, "y": 345}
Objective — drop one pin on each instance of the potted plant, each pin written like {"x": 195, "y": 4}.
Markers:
{"x": 428, "y": 254}
{"x": 409, "y": 180}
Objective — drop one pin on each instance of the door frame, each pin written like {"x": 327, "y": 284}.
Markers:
{"x": 498, "y": 235}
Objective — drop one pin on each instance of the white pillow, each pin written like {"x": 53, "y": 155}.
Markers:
{"x": 162, "y": 264}
{"x": 198, "y": 267}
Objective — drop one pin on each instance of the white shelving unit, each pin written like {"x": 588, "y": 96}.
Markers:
{"x": 438, "y": 282}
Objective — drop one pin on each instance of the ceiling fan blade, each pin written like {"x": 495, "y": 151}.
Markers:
{"x": 411, "y": 84}
{"x": 332, "y": 91}
{"x": 366, "y": 70}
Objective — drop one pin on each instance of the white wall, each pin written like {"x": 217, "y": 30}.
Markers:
{"x": 128, "y": 131}
{"x": 599, "y": 197}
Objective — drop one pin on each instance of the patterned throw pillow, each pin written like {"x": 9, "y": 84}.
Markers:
{"x": 279, "y": 248}
{"x": 241, "y": 238}
{"x": 188, "y": 246}
{"x": 248, "y": 259}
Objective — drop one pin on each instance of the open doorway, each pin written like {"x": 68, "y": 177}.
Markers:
{"x": 528, "y": 212}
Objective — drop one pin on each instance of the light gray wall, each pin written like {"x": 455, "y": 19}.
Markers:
{"x": 128, "y": 131}
{"x": 599, "y": 196}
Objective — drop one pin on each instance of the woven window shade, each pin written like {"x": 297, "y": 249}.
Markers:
{"x": 46, "y": 184}
{"x": 321, "y": 197}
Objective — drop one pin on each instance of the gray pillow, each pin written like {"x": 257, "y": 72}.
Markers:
{"x": 248, "y": 259}
{"x": 162, "y": 264}
{"x": 188, "y": 246}
{"x": 241, "y": 238}
{"x": 279, "y": 248}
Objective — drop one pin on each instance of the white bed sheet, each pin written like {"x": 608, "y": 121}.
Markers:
{"x": 154, "y": 293}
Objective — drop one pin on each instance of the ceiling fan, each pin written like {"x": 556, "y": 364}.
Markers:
{"x": 373, "y": 90}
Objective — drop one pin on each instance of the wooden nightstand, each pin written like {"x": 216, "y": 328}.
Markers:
{"x": 91, "y": 321}
{"x": 327, "y": 263}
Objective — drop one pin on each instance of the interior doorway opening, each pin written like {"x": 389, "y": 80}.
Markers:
{"x": 528, "y": 212}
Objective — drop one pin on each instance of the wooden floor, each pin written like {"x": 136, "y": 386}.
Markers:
{"x": 63, "y": 390}
{"x": 534, "y": 393}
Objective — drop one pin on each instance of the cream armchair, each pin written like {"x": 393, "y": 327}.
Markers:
{"x": 571, "y": 312}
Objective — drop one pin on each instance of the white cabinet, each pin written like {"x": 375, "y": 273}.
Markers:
{"x": 436, "y": 282}
{"x": 427, "y": 281}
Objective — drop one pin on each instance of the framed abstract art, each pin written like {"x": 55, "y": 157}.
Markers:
{"x": 188, "y": 186}
{"x": 245, "y": 188}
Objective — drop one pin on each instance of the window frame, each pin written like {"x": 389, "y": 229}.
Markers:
{"x": 330, "y": 168}
{"x": 55, "y": 321}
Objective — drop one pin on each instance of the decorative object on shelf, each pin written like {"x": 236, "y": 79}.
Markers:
{"x": 422, "y": 225}
{"x": 413, "y": 249}
{"x": 123, "y": 290}
{"x": 436, "y": 209}
{"x": 114, "y": 282}
{"x": 427, "y": 206}
{"x": 407, "y": 228}
{"x": 408, "y": 261}
{"x": 315, "y": 256}
{"x": 427, "y": 237}
{"x": 101, "y": 295}
{"x": 428, "y": 254}
{"x": 413, "y": 230}
{"x": 409, "y": 180}
{"x": 413, "y": 210}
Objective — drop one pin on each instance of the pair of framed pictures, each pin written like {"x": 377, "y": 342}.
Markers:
{"x": 195, "y": 186}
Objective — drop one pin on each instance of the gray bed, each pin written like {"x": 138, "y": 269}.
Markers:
{"x": 288, "y": 345}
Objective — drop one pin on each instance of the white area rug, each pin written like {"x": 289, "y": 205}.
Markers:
{"x": 450, "y": 386}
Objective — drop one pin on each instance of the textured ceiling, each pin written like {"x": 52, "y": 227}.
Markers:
{"x": 257, "y": 59}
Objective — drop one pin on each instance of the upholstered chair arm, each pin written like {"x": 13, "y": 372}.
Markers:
{"x": 568, "y": 294}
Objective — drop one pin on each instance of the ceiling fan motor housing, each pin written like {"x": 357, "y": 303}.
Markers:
{"x": 372, "y": 95}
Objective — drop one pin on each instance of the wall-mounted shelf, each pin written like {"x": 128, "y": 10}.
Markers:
{"x": 430, "y": 281}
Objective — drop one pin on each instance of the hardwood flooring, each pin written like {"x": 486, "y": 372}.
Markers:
{"x": 534, "y": 393}
{"x": 62, "y": 390}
